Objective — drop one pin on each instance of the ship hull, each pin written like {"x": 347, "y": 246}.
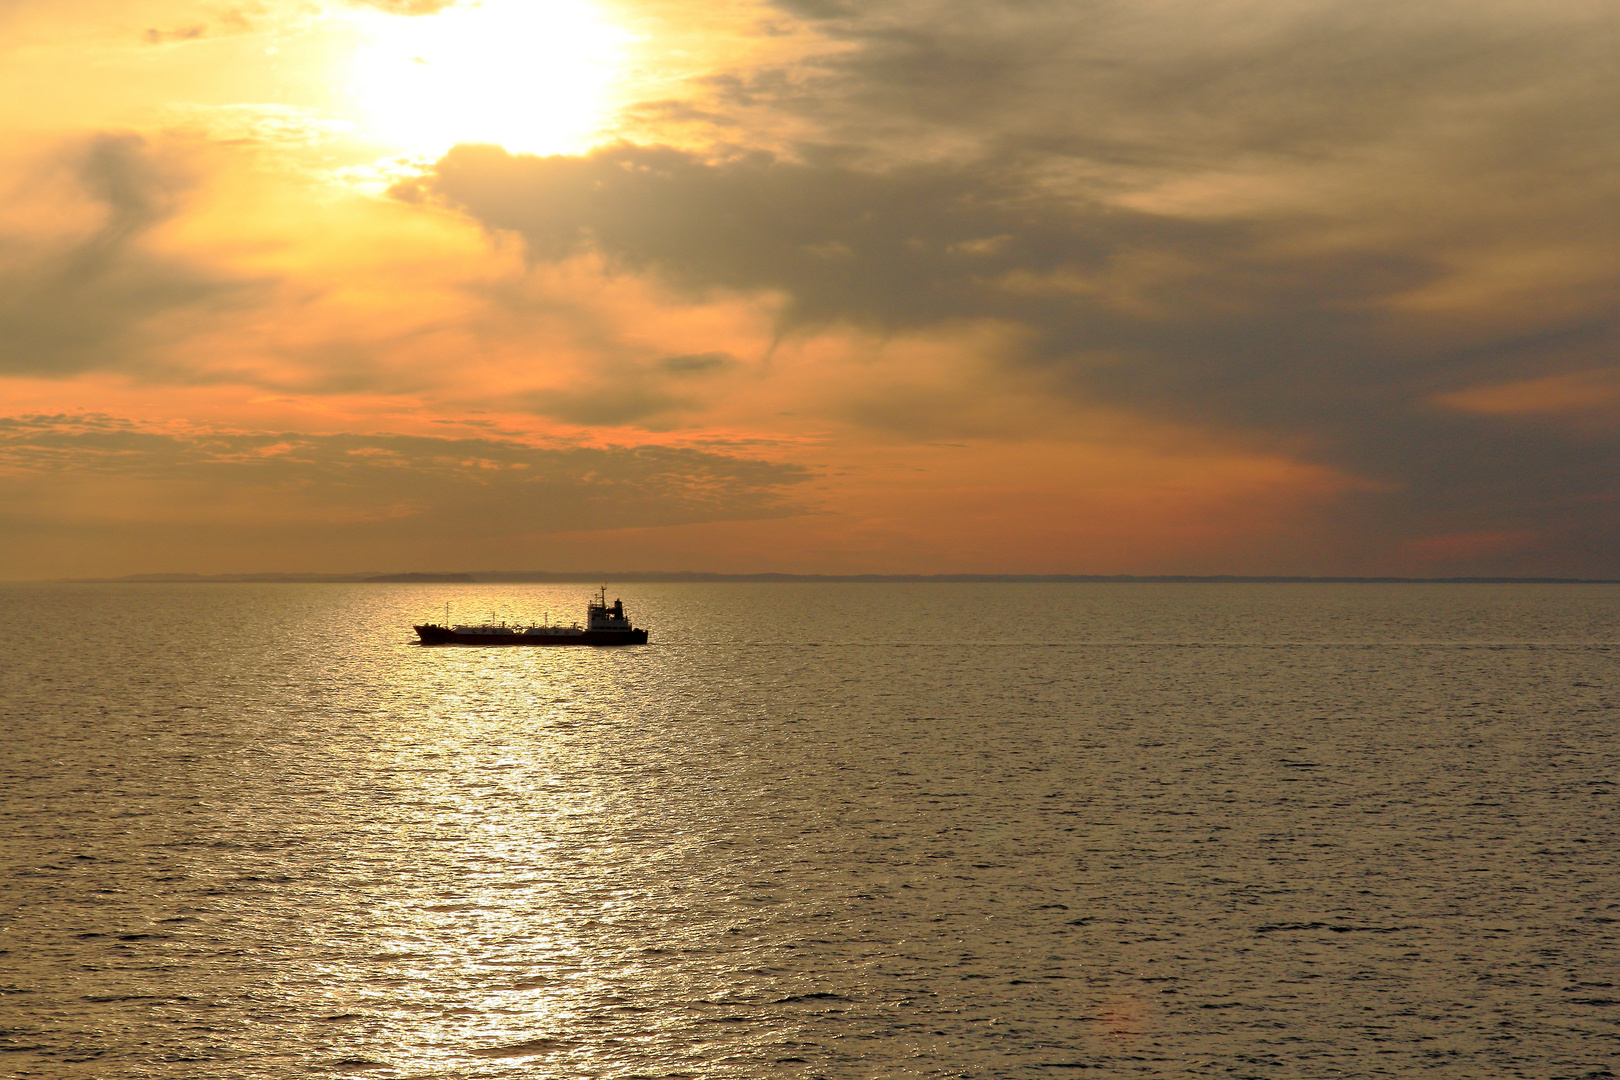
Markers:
{"x": 440, "y": 635}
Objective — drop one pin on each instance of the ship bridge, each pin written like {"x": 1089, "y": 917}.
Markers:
{"x": 599, "y": 616}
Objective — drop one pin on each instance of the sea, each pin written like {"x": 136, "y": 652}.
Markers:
{"x": 812, "y": 830}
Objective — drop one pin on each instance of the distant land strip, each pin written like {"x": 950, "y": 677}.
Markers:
{"x": 538, "y": 577}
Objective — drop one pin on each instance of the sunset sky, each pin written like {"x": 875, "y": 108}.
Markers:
{"x": 935, "y": 286}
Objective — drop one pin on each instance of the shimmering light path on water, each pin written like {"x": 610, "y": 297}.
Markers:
{"x": 839, "y": 831}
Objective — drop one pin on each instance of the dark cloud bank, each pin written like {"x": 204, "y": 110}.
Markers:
{"x": 1291, "y": 327}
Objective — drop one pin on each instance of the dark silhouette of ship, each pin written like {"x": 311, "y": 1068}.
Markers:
{"x": 604, "y": 625}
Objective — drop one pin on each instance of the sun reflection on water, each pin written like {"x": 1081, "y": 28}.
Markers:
{"x": 545, "y": 877}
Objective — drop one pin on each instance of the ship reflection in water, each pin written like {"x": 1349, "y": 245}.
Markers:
{"x": 821, "y": 830}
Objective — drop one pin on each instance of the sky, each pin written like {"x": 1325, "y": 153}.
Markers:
{"x": 810, "y": 286}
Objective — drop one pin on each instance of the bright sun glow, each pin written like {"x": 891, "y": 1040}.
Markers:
{"x": 530, "y": 75}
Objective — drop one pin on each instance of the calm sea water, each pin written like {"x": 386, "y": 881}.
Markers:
{"x": 812, "y": 830}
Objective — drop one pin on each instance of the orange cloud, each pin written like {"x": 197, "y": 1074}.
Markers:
{"x": 1555, "y": 395}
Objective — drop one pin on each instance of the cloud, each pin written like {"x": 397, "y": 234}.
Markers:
{"x": 406, "y": 7}
{"x": 74, "y": 475}
{"x": 77, "y": 299}
{"x": 696, "y": 363}
{"x": 1143, "y": 272}
{"x": 1374, "y": 239}
{"x": 605, "y": 406}
{"x": 1171, "y": 83}
{"x": 156, "y": 36}
{"x": 1329, "y": 229}
{"x": 226, "y": 23}
{"x": 619, "y": 392}
{"x": 894, "y": 250}
{"x": 1121, "y": 303}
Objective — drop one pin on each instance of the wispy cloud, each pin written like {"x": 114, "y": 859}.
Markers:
{"x": 65, "y": 477}
{"x": 80, "y": 299}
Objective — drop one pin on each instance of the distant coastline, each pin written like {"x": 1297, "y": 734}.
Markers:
{"x": 542, "y": 577}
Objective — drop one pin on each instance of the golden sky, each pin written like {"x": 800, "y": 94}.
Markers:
{"x": 1127, "y": 286}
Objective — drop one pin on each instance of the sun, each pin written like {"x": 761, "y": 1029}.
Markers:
{"x": 530, "y": 75}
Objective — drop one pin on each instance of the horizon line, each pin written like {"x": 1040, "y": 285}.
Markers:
{"x": 491, "y": 577}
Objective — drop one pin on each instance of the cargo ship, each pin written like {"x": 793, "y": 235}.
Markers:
{"x": 604, "y": 625}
